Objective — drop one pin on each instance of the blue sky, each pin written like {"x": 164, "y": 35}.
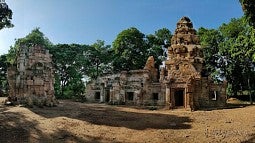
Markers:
{"x": 85, "y": 21}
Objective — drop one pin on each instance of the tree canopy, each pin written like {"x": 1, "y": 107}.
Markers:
{"x": 5, "y": 16}
{"x": 249, "y": 10}
{"x": 68, "y": 62}
{"x": 35, "y": 37}
{"x": 130, "y": 49}
{"x": 229, "y": 52}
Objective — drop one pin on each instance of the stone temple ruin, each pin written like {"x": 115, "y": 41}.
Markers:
{"x": 31, "y": 80}
{"x": 182, "y": 81}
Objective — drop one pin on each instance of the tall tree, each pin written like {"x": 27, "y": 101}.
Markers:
{"x": 210, "y": 40}
{"x": 130, "y": 50}
{"x": 249, "y": 10}
{"x": 249, "y": 13}
{"x": 3, "y": 75}
{"x": 228, "y": 52}
{"x": 238, "y": 64}
{"x": 69, "y": 65}
{"x": 157, "y": 45}
{"x": 99, "y": 57}
{"x": 5, "y": 16}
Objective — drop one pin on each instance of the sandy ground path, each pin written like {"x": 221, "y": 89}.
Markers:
{"x": 99, "y": 123}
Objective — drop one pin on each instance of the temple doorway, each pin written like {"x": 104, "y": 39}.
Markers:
{"x": 107, "y": 95}
{"x": 179, "y": 97}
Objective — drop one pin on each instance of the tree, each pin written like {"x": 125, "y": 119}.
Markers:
{"x": 238, "y": 61}
{"x": 210, "y": 40}
{"x": 244, "y": 58}
{"x": 76, "y": 63}
{"x": 69, "y": 65}
{"x": 36, "y": 37}
{"x": 248, "y": 7}
{"x": 99, "y": 59}
{"x": 249, "y": 10}
{"x": 130, "y": 50}
{"x": 157, "y": 45}
{"x": 5, "y": 16}
{"x": 228, "y": 53}
{"x": 3, "y": 75}
{"x": 5, "y": 22}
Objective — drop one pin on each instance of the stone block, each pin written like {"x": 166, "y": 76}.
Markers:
{"x": 38, "y": 82}
{"x": 42, "y": 89}
{"x": 30, "y": 82}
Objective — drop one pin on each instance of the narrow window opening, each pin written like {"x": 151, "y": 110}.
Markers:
{"x": 213, "y": 95}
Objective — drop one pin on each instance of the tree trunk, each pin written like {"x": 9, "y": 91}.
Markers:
{"x": 251, "y": 102}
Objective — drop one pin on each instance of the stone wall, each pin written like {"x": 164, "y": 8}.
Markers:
{"x": 31, "y": 81}
{"x": 208, "y": 94}
{"x": 135, "y": 87}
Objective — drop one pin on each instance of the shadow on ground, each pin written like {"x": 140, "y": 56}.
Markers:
{"x": 63, "y": 136}
{"x": 228, "y": 106}
{"x": 113, "y": 116}
{"x": 11, "y": 127}
{"x": 16, "y": 128}
{"x": 250, "y": 140}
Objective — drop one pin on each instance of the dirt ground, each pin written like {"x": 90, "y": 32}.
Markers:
{"x": 100, "y": 123}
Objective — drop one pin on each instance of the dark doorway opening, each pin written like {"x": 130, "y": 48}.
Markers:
{"x": 155, "y": 96}
{"x": 97, "y": 96}
{"x": 107, "y": 96}
{"x": 179, "y": 97}
{"x": 130, "y": 96}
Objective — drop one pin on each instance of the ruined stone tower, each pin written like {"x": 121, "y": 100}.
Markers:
{"x": 186, "y": 84}
{"x": 31, "y": 81}
{"x": 185, "y": 58}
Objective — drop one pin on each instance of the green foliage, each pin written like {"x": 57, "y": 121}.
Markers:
{"x": 236, "y": 48}
{"x": 98, "y": 59}
{"x": 69, "y": 67}
{"x": 11, "y": 56}
{"x": 74, "y": 63}
{"x": 157, "y": 45}
{"x": 36, "y": 37}
{"x": 130, "y": 49}
{"x": 248, "y": 7}
{"x": 232, "y": 29}
{"x": 249, "y": 10}
{"x": 3, "y": 75}
{"x": 210, "y": 40}
{"x": 229, "y": 54}
{"x": 5, "y": 16}
{"x": 163, "y": 36}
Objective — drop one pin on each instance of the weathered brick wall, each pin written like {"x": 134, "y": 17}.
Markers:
{"x": 31, "y": 81}
{"x": 138, "y": 83}
{"x": 204, "y": 94}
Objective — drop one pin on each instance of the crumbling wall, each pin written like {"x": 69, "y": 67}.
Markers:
{"x": 135, "y": 87}
{"x": 31, "y": 81}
